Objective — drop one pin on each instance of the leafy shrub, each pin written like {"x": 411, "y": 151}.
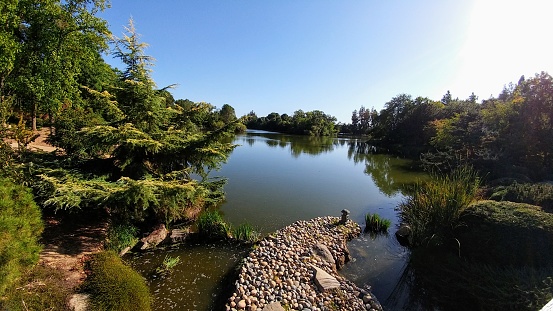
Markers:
{"x": 20, "y": 228}
{"x": 375, "y": 224}
{"x": 211, "y": 225}
{"x": 121, "y": 236}
{"x": 434, "y": 208}
{"x": 245, "y": 232}
{"x": 115, "y": 286}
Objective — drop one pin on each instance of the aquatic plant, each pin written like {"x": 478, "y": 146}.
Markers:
{"x": 245, "y": 232}
{"x": 121, "y": 236}
{"x": 434, "y": 208}
{"x": 375, "y": 224}
{"x": 168, "y": 264}
{"x": 211, "y": 225}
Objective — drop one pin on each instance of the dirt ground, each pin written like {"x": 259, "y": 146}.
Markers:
{"x": 68, "y": 239}
{"x": 39, "y": 144}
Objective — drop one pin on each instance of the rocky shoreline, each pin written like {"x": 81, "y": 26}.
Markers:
{"x": 296, "y": 268}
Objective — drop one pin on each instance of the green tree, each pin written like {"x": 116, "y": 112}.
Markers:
{"x": 145, "y": 156}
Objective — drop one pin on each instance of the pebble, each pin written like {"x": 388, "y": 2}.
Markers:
{"x": 278, "y": 269}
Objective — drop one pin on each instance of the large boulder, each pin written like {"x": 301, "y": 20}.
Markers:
{"x": 153, "y": 239}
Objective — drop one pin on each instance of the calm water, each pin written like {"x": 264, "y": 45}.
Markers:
{"x": 274, "y": 180}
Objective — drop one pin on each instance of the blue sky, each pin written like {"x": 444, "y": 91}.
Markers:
{"x": 281, "y": 56}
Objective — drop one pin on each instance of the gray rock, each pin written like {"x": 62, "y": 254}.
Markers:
{"x": 324, "y": 253}
{"x": 153, "y": 239}
{"x": 79, "y": 302}
{"x": 274, "y": 306}
{"x": 324, "y": 280}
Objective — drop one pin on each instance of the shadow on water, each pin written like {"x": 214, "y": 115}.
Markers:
{"x": 201, "y": 281}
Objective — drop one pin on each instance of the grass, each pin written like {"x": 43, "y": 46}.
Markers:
{"x": 121, "y": 236}
{"x": 434, "y": 208}
{"x": 115, "y": 286}
{"x": 245, "y": 232}
{"x": 168, "y": 264}
{"x": 40, "y": 288}
{"x": 375, "y": 224}
{"x": 211, "y": 225}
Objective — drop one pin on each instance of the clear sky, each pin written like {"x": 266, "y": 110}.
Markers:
{"x": 336, "y": 55}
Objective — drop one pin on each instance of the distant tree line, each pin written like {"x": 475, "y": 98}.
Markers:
{"x": 313, "y": 123}
{"x": 508, "y": 135}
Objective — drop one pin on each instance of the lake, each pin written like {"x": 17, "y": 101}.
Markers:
{"x": 275, "y": 180}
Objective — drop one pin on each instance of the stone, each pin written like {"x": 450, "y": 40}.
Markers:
{"x": 179, "y": 235}
{"x": 153, "y": 239}
{"x": 403, "y": 235}
{"x": 324, "y": 253}
{"x": 241, "y": 304}
{"x": 325, "y": 281}
{"x": 79, "y": 302}
{"x": 274, "y": 306}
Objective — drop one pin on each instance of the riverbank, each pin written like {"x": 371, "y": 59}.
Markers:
{"x": 296, "y": 267}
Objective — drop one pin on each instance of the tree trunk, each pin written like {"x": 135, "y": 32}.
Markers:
{"x": 34, "y": 116}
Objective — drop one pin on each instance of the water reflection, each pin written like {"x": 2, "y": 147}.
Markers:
{"x": 392, "y": 175}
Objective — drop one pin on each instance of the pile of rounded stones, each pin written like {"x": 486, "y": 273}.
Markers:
{"x": 296, "y": 267}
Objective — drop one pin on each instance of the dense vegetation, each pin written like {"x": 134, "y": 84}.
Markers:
{"x": 507, "y": 136}
{"x": 115, "y": 286}
{"x": 312, "y": 123}
{"x": 20, "y": 229}
{"x": 128, "y": 147}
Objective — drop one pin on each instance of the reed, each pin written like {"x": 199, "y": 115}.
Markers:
{"x": 375, "y": 224}
{"x": 434, "y": 208}
{"x": 245, "y": 232}
{"x": 168, "y": 264}
{"x": 211, "y": 225}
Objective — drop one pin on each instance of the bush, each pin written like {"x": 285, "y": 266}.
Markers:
{"x": 115, "y": 286}
{"x": 535, "y": 194}
{"x": 121, "y": 236}
{"x": 211, "y": 225}
{"x": 20, "y": 227}
{"x": 435, "y": 206}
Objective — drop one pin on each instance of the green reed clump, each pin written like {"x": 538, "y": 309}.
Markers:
{"x": 115, "y": 286}
{"x": 121, "y": 236}
{"x": 245, "y": 232}
{"x": 211, "y": 225}
{"x": 375, "y": 224}
{"x": 434, "y": 208}
{"x": 168, "y": 264}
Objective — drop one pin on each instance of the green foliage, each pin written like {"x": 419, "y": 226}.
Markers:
{"x": 41, "y": 288}
{"x": 434, "y": 208}
{"x": 212, "y": 226}
{"x": 121, "y": 236}
{"x": 375, "y": 224}
{"x": 20, "y": 227}
{"x": 115, "y": 286}
{"x": 168, "y": 264}
{"x": 245, "y": 232}
{"x": 535, "y": 194}
{"x": 507, "y": 233}
{"x": 312, "y": 123}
